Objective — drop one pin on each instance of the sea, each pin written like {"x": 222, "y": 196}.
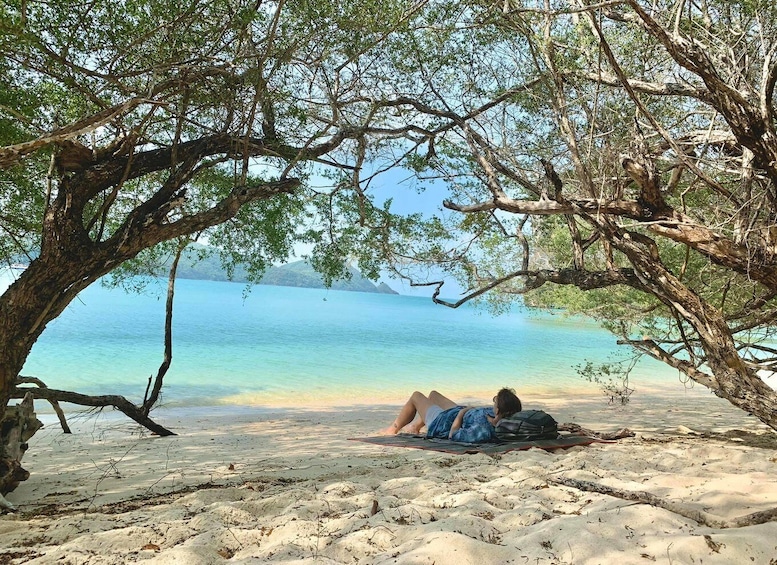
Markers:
{"x": 273, "y": 346}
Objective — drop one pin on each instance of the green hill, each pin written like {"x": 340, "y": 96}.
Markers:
{"x": 298, "y": 273}
{"x": 200, "y": 263}
{"x": 301, "y": 274}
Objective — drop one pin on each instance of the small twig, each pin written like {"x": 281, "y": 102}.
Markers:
{"x": 112, "y": 466}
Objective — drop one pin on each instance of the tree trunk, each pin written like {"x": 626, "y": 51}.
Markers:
{"x": 729, "y": 377}
{"x": 17, "y": 426}
{"x": 70, "y": 261}
{"x": 38, "y": 296}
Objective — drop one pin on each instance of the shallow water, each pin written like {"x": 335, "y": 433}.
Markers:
{"x": 282, "y": 346}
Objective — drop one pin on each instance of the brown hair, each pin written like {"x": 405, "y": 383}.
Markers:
{"x": 507, "y": 402}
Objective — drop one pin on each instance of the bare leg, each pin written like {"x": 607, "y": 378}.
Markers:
{"x": 436, "y": 399}
{"x": 417, "y": 404}
{"x": 416, "y": 426}
{"x": 440, "y": 400}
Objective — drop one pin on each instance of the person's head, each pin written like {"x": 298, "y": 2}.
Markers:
{"x": 506, "y": 403}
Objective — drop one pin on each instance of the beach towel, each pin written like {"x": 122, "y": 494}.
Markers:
{"x": 448, "y": 446}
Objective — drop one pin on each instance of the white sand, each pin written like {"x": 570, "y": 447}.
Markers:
{"x": 246, "y": 485}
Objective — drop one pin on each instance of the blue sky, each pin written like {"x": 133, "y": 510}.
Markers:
{"x": 402, "y": 187}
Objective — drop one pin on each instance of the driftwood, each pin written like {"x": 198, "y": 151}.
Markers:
{"x": 698, "y": 516}
{"x": 18, "y": 425}
{"x": 54, "y": 403}
{"x": 118, "y": 402}
{"x": 579, "y": 430}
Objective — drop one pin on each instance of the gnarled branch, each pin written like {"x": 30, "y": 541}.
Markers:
{"x": 585, "y": 280}
{"x": 118, "y": 402}
{"x": 12, "y": 154}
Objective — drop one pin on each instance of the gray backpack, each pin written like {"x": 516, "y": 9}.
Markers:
{"x": 527, "y": 425}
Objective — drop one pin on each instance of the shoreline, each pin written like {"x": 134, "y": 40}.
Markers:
{"x": 365, "y": 398}
{"x": 286, "y": 485}
{"x": 660, "y": 409}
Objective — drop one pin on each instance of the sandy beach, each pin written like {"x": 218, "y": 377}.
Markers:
{"x": 259, "y": 485}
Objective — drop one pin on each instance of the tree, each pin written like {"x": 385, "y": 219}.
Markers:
{"x": 128, "y": 127}
{"x": 635, "y": 169}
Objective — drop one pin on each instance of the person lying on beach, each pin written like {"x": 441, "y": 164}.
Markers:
{"x": 444, "y": 418}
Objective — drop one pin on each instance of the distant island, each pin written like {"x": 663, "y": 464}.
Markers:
{"x": 301, "y": 274}
{"x": 200, "y": 263}
{"x": 298, "y": 273}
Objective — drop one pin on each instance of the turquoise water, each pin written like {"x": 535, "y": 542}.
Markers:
{"x": 282, "y": 346}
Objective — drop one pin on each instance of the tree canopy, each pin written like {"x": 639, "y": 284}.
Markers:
{"x": 130, "y": 128}
{"x": 628, "y": 174}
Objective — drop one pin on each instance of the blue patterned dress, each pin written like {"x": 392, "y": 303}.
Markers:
{"x": 474, "y": 429}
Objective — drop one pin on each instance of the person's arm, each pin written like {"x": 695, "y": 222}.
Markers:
{"x": 475, "y": 433}
{"x": 458, "y": 421}
{"x": 493, "y": 420}
{"x": 477, "y": 428}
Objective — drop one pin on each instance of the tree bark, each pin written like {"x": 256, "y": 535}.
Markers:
{"x": 17, "y": 426}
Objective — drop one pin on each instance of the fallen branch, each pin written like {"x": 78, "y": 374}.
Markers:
{"x": 118, "y": 402}
{"x": 698, "y": 516}
{"x": 54, "y": 403}
{"x": 579, "y": 430}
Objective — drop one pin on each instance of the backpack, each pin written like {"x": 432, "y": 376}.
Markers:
{"x": 527, "y": 425}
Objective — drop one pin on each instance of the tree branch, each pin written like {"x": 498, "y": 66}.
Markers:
{"x": 691, "y": 55}
{"x": 546, "y": 207}
{"x": 118, "y": 402}
{"x": 150, "y": 400}
{"x": 584, "y": 280}
{"x": 699, "y": 516}
{"x": 54, "y": 404}
{"x": 746, "y": 120}
{"x": 669, "y": 223}
{"x": 11, "y": 154}
{"x": 150, "y": 225}
{"x": 644, "y": 87}
{"x": 651, "y": 348}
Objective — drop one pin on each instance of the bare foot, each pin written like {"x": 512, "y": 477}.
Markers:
{"x": 415, "y": 428}
{"x": 392, "y": 430}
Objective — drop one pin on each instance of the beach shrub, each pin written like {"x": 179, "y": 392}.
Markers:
{"x": 611, "y": 378}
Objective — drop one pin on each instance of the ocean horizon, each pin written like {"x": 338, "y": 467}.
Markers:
{"x": 279, "y": 346}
